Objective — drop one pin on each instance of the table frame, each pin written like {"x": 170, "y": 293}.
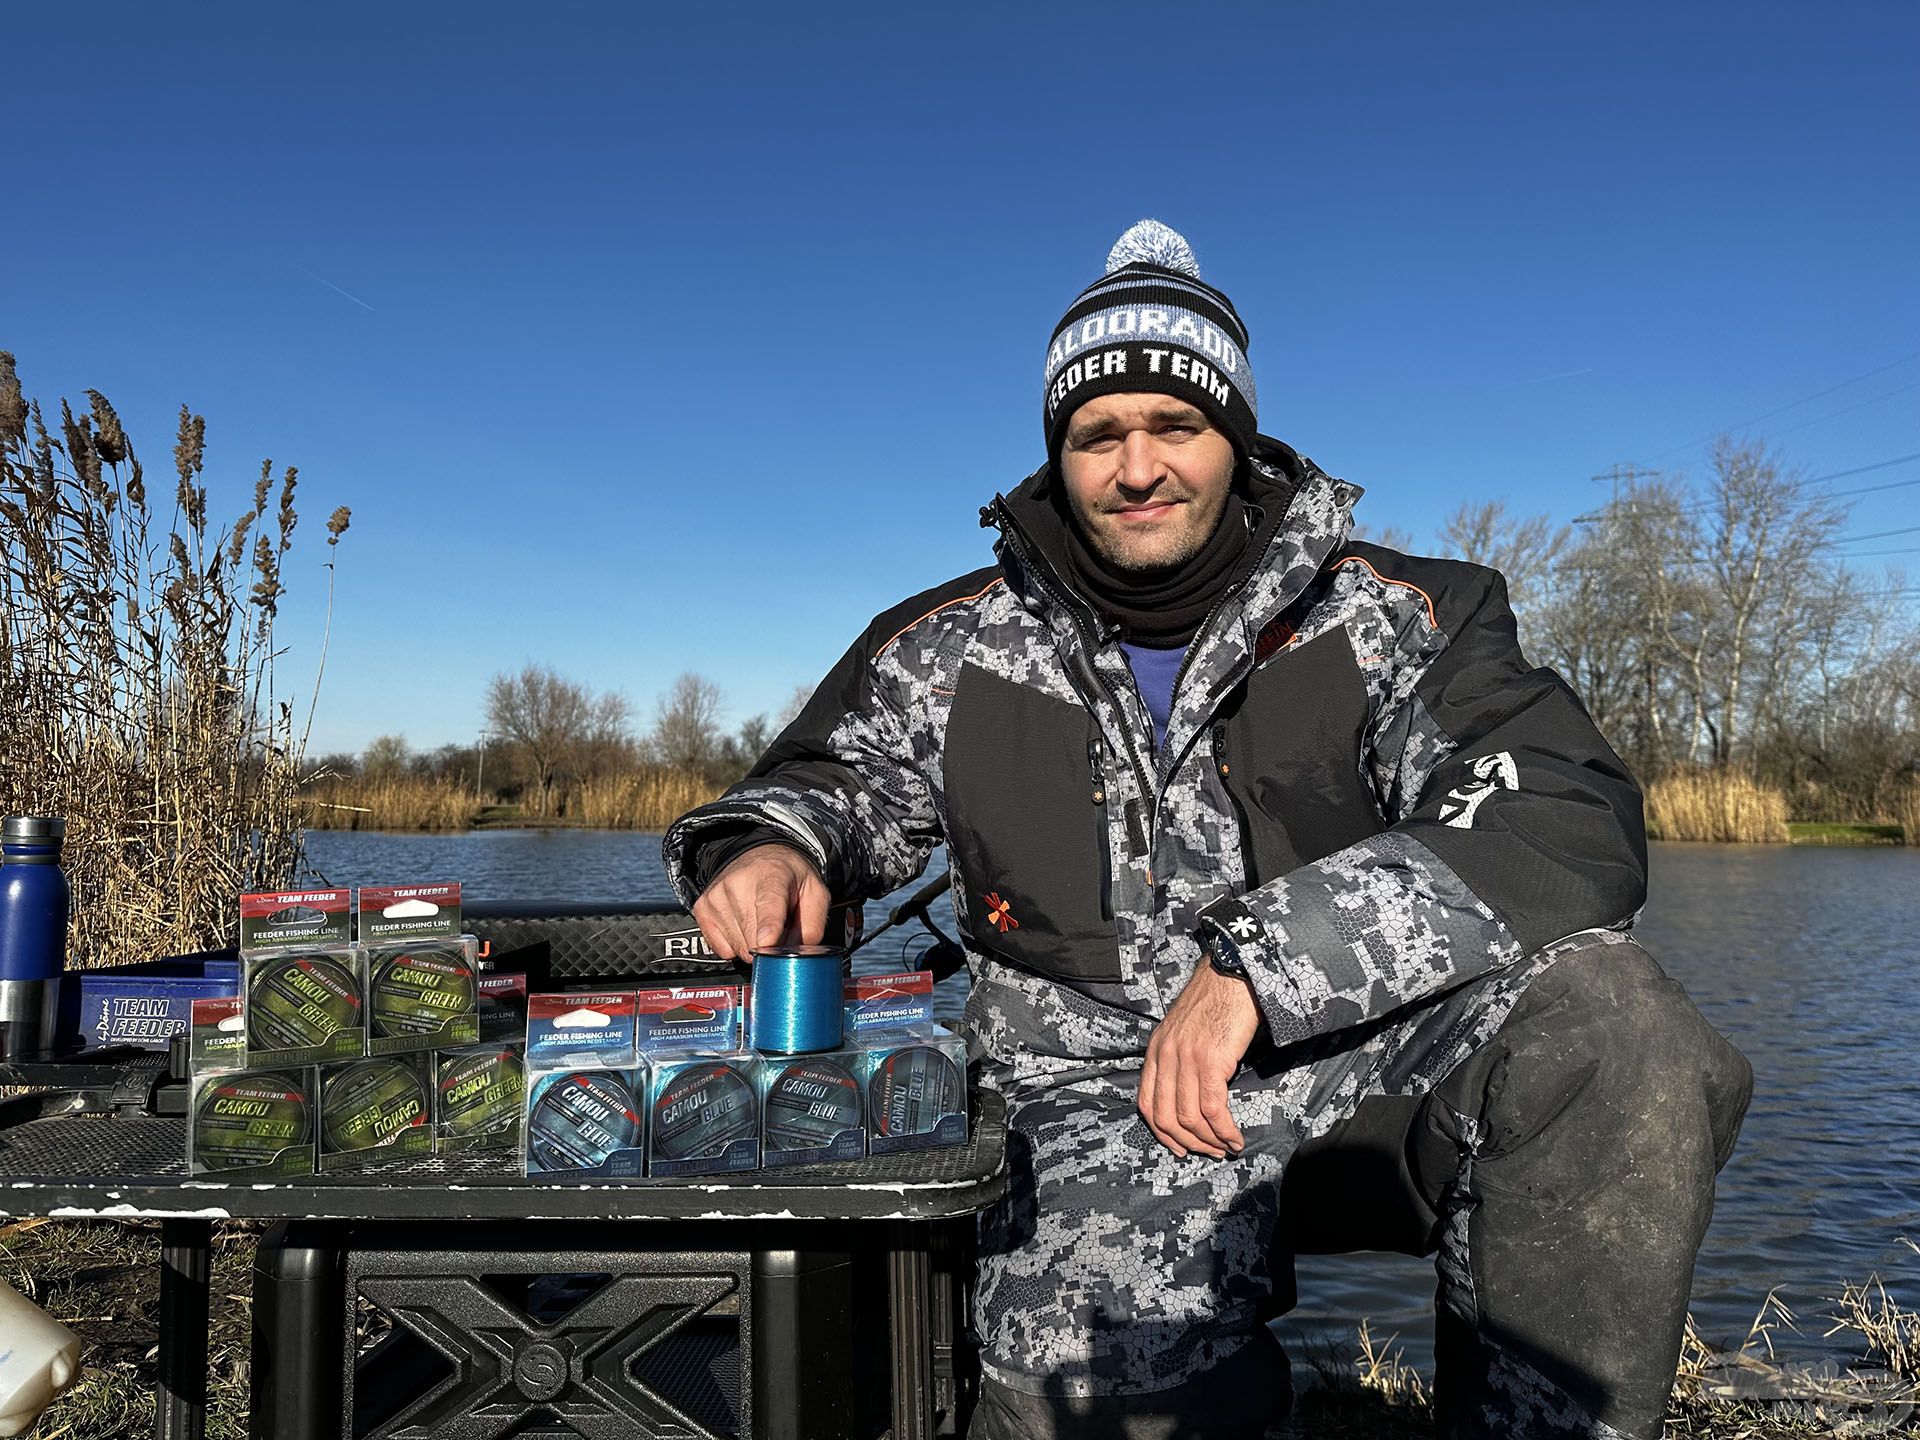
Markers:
{"x": 905, "y": 1201}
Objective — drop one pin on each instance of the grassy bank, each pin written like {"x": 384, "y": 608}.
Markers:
{"x": 100, "y": 1279}
{"x": 1730, "y": 807}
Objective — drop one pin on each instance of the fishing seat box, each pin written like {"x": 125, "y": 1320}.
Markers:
{"x": 143, "y": 1004}
{"x": 757, "y": 1350}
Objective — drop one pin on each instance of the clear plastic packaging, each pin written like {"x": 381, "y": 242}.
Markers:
{"x": 252, "y": 1124}
{"x": 703, "y": 1114}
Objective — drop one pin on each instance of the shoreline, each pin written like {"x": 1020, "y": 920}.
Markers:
{"x": 1799, "y": 832}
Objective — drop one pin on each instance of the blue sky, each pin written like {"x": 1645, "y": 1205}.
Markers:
{"x": 645, "y": 339}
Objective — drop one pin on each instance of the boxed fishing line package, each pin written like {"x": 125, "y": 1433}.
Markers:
{"x": 251, "y": 1124}
{"x": 423, "y": 990}
{"x": 586, "y": 1087}
{"x": 373, "y": 1111}
{"x": 812, "y": 1108}
{"x": 302, "y": 979}
{"x": 217, "y": 1034}
{"x": 479, "y": 1098}
{"x": 912, "y": 1072}
{"x": 703, "y": 1104}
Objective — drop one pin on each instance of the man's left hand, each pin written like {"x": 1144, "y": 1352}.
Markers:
{"x": 1190, "y": 1059}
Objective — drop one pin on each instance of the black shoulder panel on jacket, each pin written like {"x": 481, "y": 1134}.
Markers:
{"x": 889, "y": 625}
{"x": 1455, "y": 590}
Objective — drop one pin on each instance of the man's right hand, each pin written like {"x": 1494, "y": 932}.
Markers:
{"x": 769, "y": 895}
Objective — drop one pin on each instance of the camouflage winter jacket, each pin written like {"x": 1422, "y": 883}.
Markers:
{"x": 1362, "y": 783}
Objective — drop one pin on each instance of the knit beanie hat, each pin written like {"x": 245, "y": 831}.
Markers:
{"x": 1150, "y": 323}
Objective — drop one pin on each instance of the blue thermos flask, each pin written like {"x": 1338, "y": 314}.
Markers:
{"x": 33, "y": 932}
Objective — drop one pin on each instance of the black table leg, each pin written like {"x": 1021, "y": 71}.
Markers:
{"x": 186, "y": 1263}
{"x": 909, "y": 1306}
{"x": 301, "y": 1348}
{"x": 803, "y": 1359}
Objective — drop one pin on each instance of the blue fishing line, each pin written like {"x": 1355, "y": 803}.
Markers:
{"x": 797, "y": 999}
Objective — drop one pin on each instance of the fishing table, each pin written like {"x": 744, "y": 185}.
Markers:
{"x": 716, "y": 1305}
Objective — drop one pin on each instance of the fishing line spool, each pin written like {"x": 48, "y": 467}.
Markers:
{"x": 797, "y": 999}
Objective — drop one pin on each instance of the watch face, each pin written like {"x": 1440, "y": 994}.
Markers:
{"x": 1224, "y": 955}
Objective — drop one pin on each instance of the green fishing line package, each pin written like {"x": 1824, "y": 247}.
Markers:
{"x": 479, "y": 1098}
{"x": 251, "y": 1124}
{"x": 422, "y": 995}
{"x": 304, "y": 1006}
{"x": 374, "y": 1111}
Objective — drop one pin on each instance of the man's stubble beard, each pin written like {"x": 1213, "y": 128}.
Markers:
{"x": 1109, "y": 546}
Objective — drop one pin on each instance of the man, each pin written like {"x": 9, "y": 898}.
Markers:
{"x": 1297, "y": 910}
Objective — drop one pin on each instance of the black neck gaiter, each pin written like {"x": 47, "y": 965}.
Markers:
{"x": 1160, "y": 608}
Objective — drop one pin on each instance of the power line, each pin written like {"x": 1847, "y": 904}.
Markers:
{"x": 1696, "y": 508}
{"x": 1876, "y": 535}
{"x": 1847, "y": 410}
{"x": 1863, "y": 469}
{"x": 1869, "y": 554}
{"x": 1873, "y": 489}
{"x": 1796, "y": 404}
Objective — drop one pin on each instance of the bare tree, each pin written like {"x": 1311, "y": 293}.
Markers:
{"x": 1525, "y": 549}
{"x": 686, "y": 727}
{"x": 1765, "y": 540}
{"x": 554, "y": 724}
{"x": 1390, "y": 536}
{"x": 385, "y": 757}
{"x": 796, "y": 702}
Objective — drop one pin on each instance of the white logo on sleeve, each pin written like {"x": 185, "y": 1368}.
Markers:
{"x": 1242, "y": 928}
{"x": 1490, "y": 773}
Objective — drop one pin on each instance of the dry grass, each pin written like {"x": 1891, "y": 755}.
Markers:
{"x": 137, "y": 677}
{"x": 400, "y": 802}
{"x": 1905, "y": 810}
{"x": 651, "y": 797}
{"x": 1722, "y": 805}
{"x": 647, "y": 797}
{"x": 1751, "y": 1393}
{"x": 101, "y": 1280}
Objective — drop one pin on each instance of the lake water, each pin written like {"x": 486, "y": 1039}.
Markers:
{"x": 1806, "y": 957}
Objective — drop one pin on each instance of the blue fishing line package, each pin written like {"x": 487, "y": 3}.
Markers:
{"x": 703, "y": 1114}
{"x": 813, "y": 1108}
{"x": 584, "y": 1121}
{"x": 913, "y": 1072}
{"x": 915, "y": 1084}
{"x": 586, "y": 1086}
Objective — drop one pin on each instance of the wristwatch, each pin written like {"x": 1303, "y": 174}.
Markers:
{"x": 1222, "y": 952}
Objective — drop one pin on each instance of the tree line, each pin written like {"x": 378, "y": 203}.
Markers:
{"x": 1721, "y": 623}
{"x": 549, "y": 737}
{"x": 1711, "y": 624}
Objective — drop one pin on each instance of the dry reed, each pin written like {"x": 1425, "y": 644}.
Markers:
{"x": 395, "y": 802}
{"x": 1904, "y": 811}
{"x": 651, "y": 797}
{"x": 137, "y": 677}
{"x": 1722, "y": 805}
